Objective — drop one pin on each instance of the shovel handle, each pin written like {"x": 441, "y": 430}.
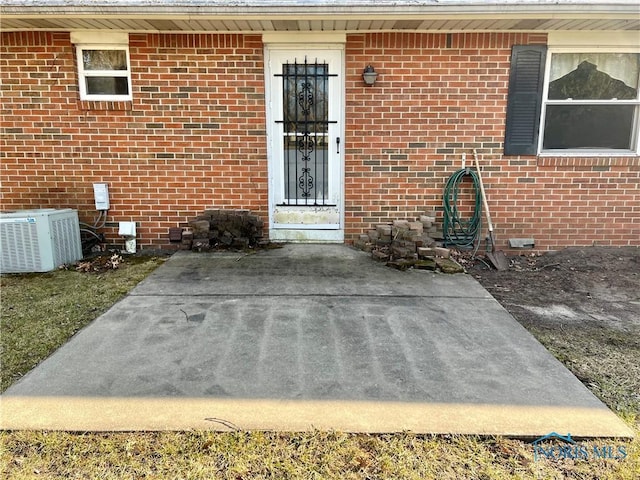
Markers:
{"x": 484, "y": 195}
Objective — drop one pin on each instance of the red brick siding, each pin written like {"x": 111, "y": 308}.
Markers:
{"x": 438, "y": 96}
{"x": 193, "y": 137}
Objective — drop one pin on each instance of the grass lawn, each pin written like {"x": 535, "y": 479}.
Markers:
{"x": 41, "y": 311}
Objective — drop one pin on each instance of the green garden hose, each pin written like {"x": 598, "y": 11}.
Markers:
{"x": 461, "y": 232}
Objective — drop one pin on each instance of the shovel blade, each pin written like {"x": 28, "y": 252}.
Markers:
{"x": 498, "y": 259}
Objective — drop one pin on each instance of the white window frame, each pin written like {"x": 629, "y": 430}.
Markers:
{"x": 635, "y": 140}
{"x": 83, "y": 74}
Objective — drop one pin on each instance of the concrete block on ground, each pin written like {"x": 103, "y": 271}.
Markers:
{"x": 448, "y": 265}
{"x": 200, "y": 245}
{"x": 401, "y": 264}
{"x": 402, "y": 234}
{"x": 427, "y": 241}
{"x": 380, "y": 256}
{"x": 406, "y": 244}
{"x": 359, "y": 244}
{"x": 425, "y": 264}
{"x": 199, "y": 226}
{"x": 402, "y": 252}
{"x": 425, "y": 252}
{"x": 383, "y": 229}
{"x": 411, "y": 235}
{"x": 240, "y": 242}
{"x": 416, "y": 226}
{"x": 175, "y": 234}
{"x": 442, "y": 252}
{"x": 401, "y": 224}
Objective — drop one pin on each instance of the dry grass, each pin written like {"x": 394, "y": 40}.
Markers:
{"x": 606, "y": 360}
{"x": 315, "y": 455}
{"x": 41, "y": 311}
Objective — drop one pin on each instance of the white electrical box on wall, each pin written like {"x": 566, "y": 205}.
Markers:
{"x": 101, "y": 196}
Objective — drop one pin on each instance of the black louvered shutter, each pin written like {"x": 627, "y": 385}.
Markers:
{"x": 526, "y": 82}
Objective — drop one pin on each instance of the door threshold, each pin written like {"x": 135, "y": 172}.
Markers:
{"x": 306, "y": 236}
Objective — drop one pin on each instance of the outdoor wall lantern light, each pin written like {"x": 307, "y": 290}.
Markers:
{"x": 369, "y": 75}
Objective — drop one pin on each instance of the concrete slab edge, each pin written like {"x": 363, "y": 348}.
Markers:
{"x": 176, "y": 414}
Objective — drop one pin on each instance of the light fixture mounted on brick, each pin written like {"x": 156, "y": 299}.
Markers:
{"x": 369, "y": 75}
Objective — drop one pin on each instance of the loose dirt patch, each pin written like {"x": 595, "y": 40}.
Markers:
{"x": 583, "y": 304}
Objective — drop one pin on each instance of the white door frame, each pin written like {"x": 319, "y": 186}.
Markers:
{"x": 313, "y": 223}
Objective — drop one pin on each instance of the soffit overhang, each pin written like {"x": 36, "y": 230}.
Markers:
{"x": 319, "y": 16}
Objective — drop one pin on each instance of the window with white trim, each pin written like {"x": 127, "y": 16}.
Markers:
{"x": 590, "y": 103}
{"x": 104, "y": 72}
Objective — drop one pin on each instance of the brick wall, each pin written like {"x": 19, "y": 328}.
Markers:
{"x": 441, "y": 95}
{"x": 194, "y": 137}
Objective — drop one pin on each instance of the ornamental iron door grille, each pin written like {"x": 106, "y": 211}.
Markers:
{"x": 306, "y": 133}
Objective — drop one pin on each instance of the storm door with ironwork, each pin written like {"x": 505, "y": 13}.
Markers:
{"x": 305, "y": 145}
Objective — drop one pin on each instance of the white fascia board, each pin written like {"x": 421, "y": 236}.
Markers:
{"x": 99, "y": 37}
{"x": 304, "y": 38}
{"x": 618, "y": 39}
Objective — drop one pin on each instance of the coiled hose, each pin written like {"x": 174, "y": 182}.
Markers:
{"x": 458, "y": 231}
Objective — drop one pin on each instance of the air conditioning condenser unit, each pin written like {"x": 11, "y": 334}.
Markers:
{"x": 39, "y": 240}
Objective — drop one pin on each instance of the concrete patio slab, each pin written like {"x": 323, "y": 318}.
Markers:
{"x": 303, "y": 337}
